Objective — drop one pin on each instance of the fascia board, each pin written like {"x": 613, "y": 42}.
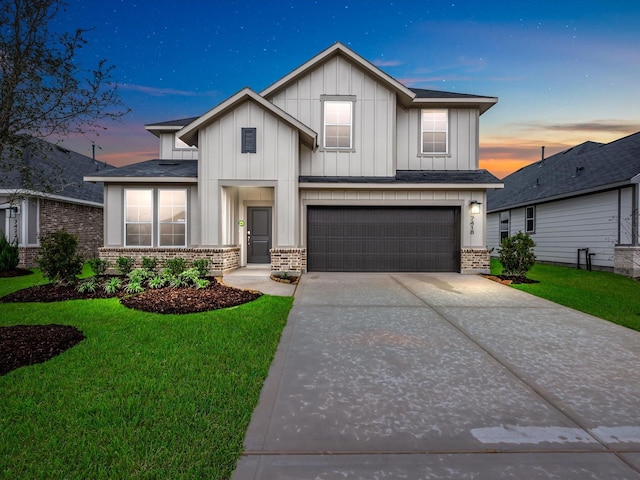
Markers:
{"x": 483, "y": 103}
{"x": 398, "y": 186}
{"x": 354, "y": 57}
{"x": 141, "y": 179}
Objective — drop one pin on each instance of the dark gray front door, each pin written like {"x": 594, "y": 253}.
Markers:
{"x": 258, "y": 234}
{"x": 383, "y": 239}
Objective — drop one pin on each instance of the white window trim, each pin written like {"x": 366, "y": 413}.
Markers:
{"x": 422, "y": 130}
{"x": 126, "y": 222}
{"x": 159, "y": 223}
{"x": 533, "y": 219}
{"x": 338, "y": 98}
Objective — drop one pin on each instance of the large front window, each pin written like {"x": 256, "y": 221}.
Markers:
{"x": 434, "y": 132}
{"x": 338, "y": 124}
{"x": 172, "y": 217}
{"x": 148, "y": 211}
{"x": 138, "y": 218}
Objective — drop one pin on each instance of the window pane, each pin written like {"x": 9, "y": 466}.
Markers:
{"x": 139, "y": 205}
{"x": 337, "y": 124}
{"x": 139, "y": 234}
{"x": 172, "y": 235}
{"x": 172, "y": 205}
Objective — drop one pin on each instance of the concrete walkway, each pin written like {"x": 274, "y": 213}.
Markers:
{"x": 432, "y": 376}
{"x": 256, "y": 277}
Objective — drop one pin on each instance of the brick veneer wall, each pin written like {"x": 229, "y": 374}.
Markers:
{"x": 289, "y": 260}
{"x": 221, "y": 259}
{"x": 84, "y": 221}
{"x": 474, "y": 260}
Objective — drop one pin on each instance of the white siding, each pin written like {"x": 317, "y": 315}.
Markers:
{"x": 564, "y": 226}
{"x": 169, "y": 152}
{"x": 463, "y": 142}
{"x": 374, "y": 119}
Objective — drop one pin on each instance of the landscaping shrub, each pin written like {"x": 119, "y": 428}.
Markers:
{"x": 125, "y": 264}
{"x": 176, "y": 265}
{"x": 202, "y": 265}
{"x": 516, "y": 255}
{"x": 9, "y": 254}
{"x": 98, "y": 266}
{"x": 58, "y": 258}
{"x": 150, "y": 264}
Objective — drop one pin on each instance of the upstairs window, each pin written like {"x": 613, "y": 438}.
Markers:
{"x": 530, "y": 219}
{"x": 434, "y": 131}
{"x": 338, "y": 124}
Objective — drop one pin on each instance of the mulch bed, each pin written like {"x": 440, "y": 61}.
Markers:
{"x": 509, "y": 279}
{"x": 23, "y": 345}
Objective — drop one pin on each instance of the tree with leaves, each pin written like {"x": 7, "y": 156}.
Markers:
{"x": 44, "y": 92}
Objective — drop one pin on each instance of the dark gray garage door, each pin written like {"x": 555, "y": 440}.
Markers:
{"x": 383, "y": 239}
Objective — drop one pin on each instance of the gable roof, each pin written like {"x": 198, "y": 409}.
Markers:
{"x": 169, "y": 126}
{"x": 189, "y": 134}
{"x": 56, "y": 173}
{"x": 585, "y": 168}
{"x": 437, "y": 98}
{"x": 405, "y": 94}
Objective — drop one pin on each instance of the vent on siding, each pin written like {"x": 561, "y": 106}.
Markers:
{"x": 249, "y": 140}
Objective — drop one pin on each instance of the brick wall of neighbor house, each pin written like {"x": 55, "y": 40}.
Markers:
{"x": 221, "y": 259}
{"x": 81, "y": 220}
{"x": 474, "y": 260}
{"x": 627, "y": 261}
{"x": 289, "y": 260}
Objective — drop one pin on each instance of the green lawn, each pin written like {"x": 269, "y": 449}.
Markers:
{"x": 143, "y": 396}
{"x": 606, "y": 295}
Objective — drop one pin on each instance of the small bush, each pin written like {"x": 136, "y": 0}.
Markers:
{"x": 125, "y": 265}
{"x": 516, "y": 255}
{"x": 9, "y": 254}
{"x": 98, "y": 266}
{"x": 150, "y": 264}
{"x": 58, "y": 258}
{"x": 113, "y": 285}
{"x": 176, "y": 265}
{"x": 89, "y": 285}
{"x": 202, "y": 265}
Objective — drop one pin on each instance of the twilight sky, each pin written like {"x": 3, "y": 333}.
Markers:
{"x": 564, "y": 71}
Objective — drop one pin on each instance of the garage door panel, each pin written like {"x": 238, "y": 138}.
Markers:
{"x": 383, "y": 238}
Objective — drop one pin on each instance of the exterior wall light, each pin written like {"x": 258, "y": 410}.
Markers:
{"x": 474, "y": 206}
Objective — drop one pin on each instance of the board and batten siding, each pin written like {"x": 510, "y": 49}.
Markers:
{"x": 168, "y": 151}
{"x": 564, "y": 226}
{"x": 222, "y": 164}
{"x": 374, "y": 118}
{"x": 463, "y": 141}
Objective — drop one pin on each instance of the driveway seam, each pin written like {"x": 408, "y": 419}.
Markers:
{"x": 541, "y": 392}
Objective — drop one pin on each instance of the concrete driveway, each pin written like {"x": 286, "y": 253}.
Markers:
{"x": 430, "y": 376}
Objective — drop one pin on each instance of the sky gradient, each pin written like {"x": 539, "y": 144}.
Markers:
{"x": 564, "y": 71}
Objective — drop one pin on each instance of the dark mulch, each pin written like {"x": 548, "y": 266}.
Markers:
{"x": 18, "y": 272}
{"x": 22, "y": 345}
{"x": 510, "y": 279}
{"x": 189, "y": 300}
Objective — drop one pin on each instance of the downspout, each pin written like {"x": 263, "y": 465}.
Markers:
{"x": 634, "y": 216}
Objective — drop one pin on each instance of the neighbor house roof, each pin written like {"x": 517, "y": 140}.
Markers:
{"x": 55, "y": 172}
{"x": 585, "y": 168}
{"x": 157, "y": 170}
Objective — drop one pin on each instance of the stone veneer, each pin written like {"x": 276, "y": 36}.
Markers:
{"x": 83, "y": 221}
{"x": 474, "y": 260}
{"x": 626, "y": 261}
{"x": 221, "y": 259}
{"x": 291, "y": 259}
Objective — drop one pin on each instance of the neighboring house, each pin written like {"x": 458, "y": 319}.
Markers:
{"x": 335, "y": 167}
{"x": 50, "y": 195}
{"x": 583, "y": 198}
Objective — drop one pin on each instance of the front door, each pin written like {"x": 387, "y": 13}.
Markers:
{"x": 258, "y": 234}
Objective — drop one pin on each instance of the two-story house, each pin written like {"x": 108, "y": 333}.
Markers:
{"x": 335, "y": 167}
